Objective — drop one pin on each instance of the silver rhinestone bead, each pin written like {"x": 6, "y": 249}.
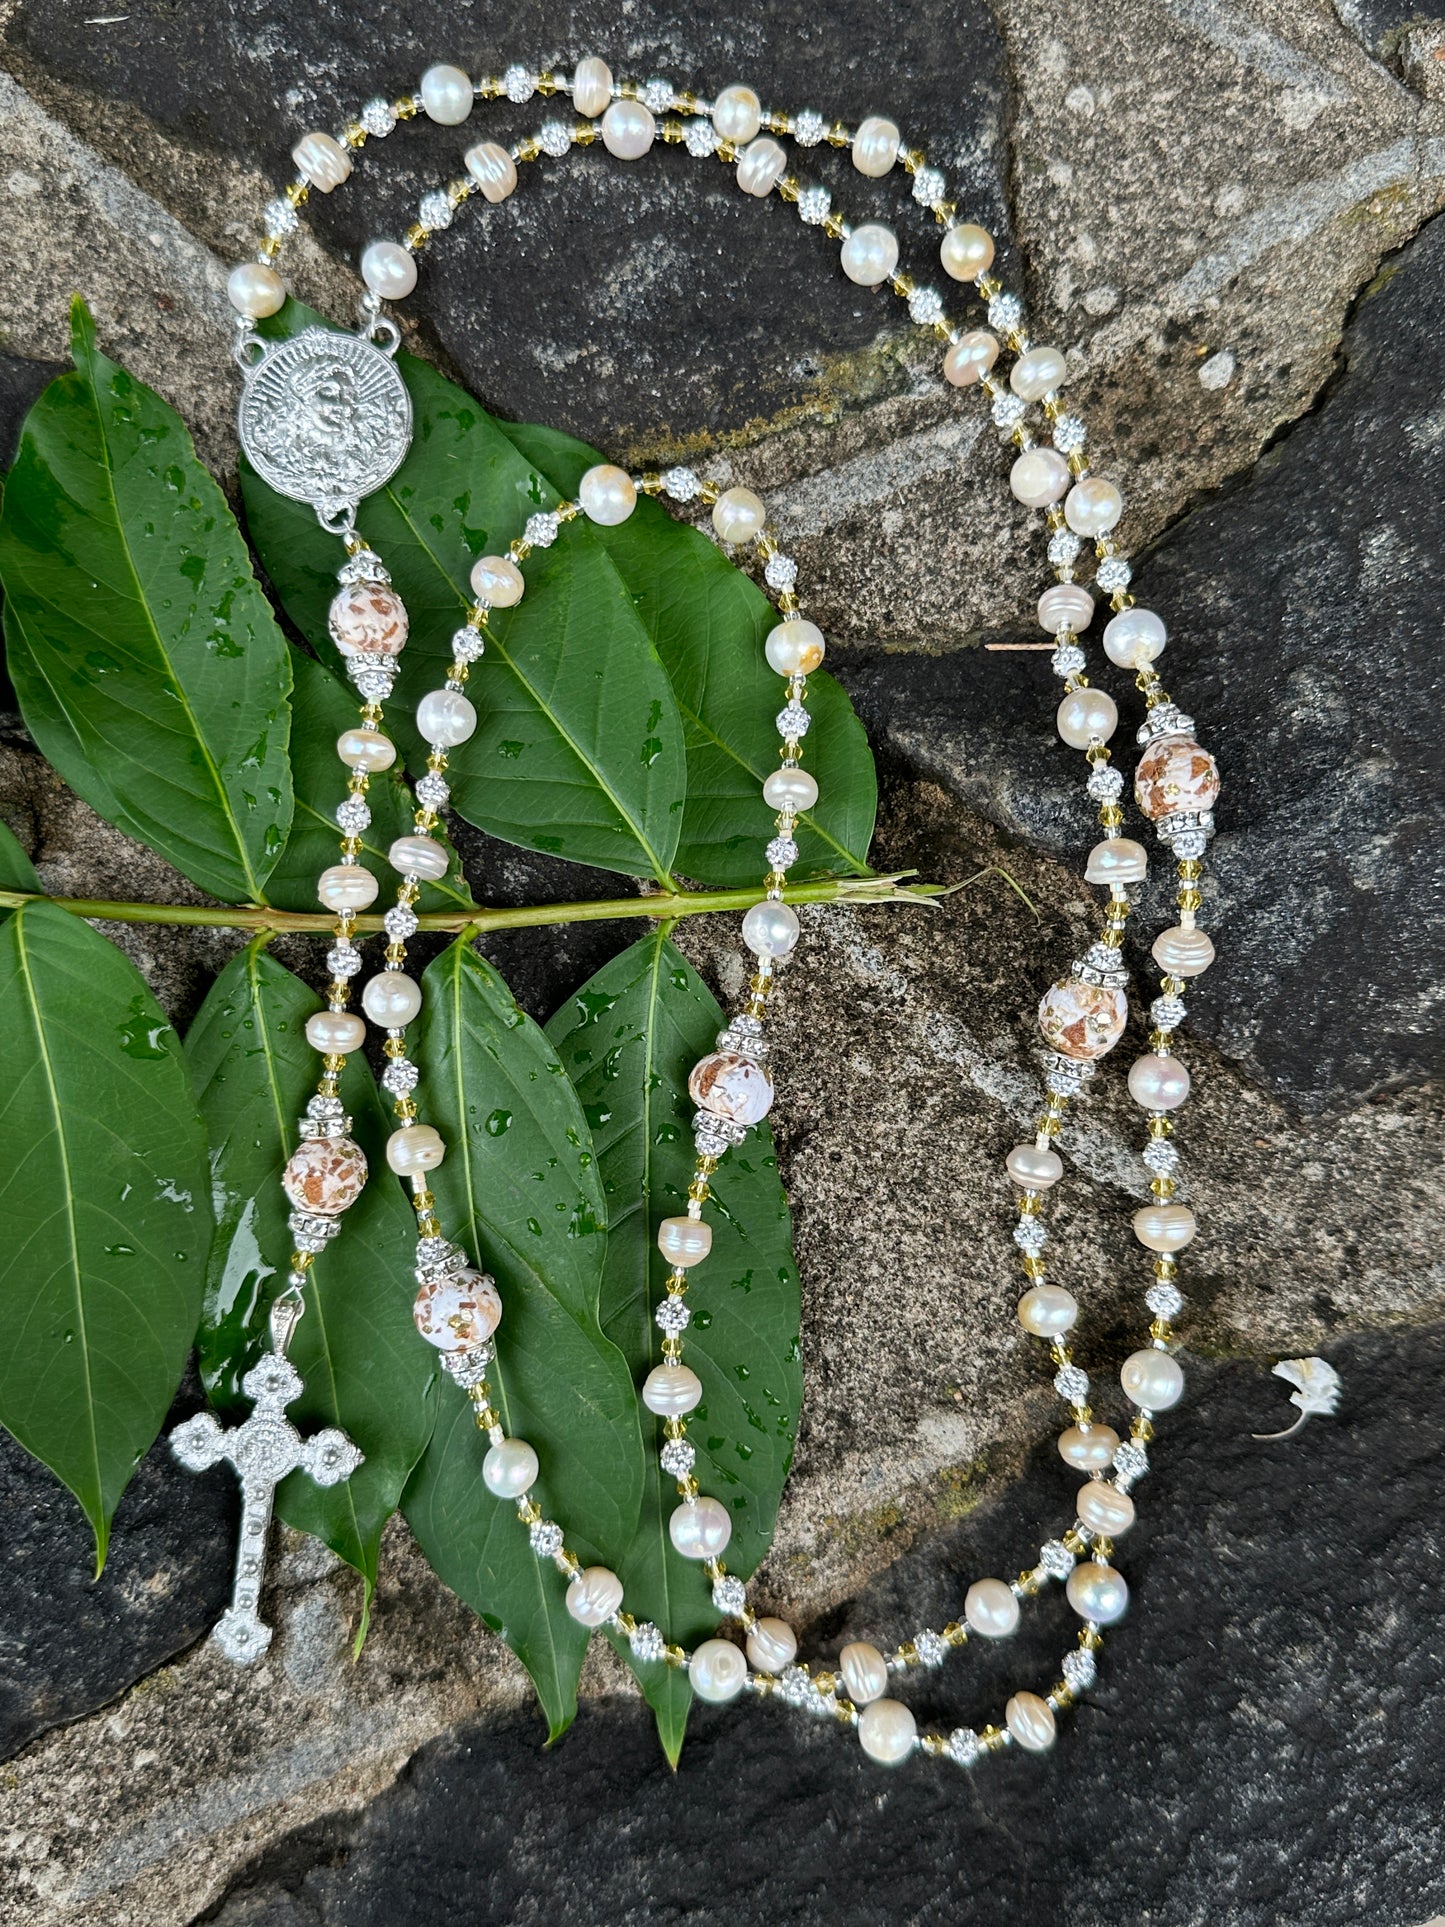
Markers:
{"x": 1056, "y": 1559}
{"x": 468, "y": 644}
{"x": 1163, "y": 1299}
{"x": 352, "y": 815}
{"x": 1079, "y": 1669}
{"x": 1160, "y": 1157}
{"x": 1113, "y": 574}
{"x": 1131, "y": 1459}
{"x": 680, "y": 484}
{"x": 781, "y": 572}
{"x": 795, "y": 1685}
{"x": 1167, "y": 1013}
{"x": 782, "y": 853}
{"x": 1070, "y": 434}
{"x": 554, "y": 137}
{"x": 1005, "y": 312}
{"x": 1064, "y": 548}
{"x": 964, "y": 1745}
{"x": 793, "y": 721}
{"x": 518, "y": 85}
{"x": 646, "y": 1641}
{"x": 658, "y": 94}
{"x": 1067, "y": 659}
{"x": 925, "y": 306}
{"x": 541, "y": 530}
{"x": 400, "y": 1076}
{"x": 929, "y": 187}
{"x": 729, "y": 1596}
{"x": 1071, "y": 1382}
{"x": 1105, "y": 784}
{"x": 813, "y": 206}
{"x": 1008, "y": 411}
{"x": 672, "y": 1315}
{"x": 468, "y": 1368}
{"x": 546, "y": 1538}
{"x": 343, "y": 960}
{"x": 1031, "y": 1234}
{"x": 378, "y": 117}
{"x": 435, "y": 211}
{"x": 677, "y": 1458}
{"x": 433, "y": 790}
{"x": 700, "y": 139}
{"x": 808, "y": 128}
{"x": 931, "y": 1647}
{"x": 281, "y": 219}
{"x": 400, "y": 923}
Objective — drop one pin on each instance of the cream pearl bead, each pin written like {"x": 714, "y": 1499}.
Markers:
{"x": 1097, "y": 1592}
{"x": 771, "y": 929}
{"x": 870, "y": 254}
{"x": 887, "y": 1732}
{"x": 738, "y": 515}
{"x": 346, "y": 886}
{"x": 864, "y": 1671}
{"x": 415, "y": 1147}
{"x": 1036, "y": 373}
{"x": 1065, "y": 606}
{"x": 391, "y": 999}
{"x": 335, "y": 1032}
{"x": 594, "y": 1596}
{"x": 966, "y": 252}
{"x": 1134, "y": 638}
{"x": 1092, "y": 506}
{"x": 789, "y": 788}
{"x": 1118, "y": 859}
{"x": 254, "y": 289}
{"x": 1158, "y": 1083}
{"x": 445, "y": 718}
{"x": 700, "y": 1530}
{"x": 684, "y": 1241}
{"x": 446, "y": 95}
{"x": 419, "y": 856}
{"x": 607, "y": 495}
{"x": 388, "y": 270}
{"x": 628, "y": 130}
{"x": 1039, "y": 477}
{"x": 875, "y": 147}
{"x": 1164, "y": 1227}
{"x": 510, "y": 1469}
{"x": 1034, "y": 1169}
{"x": 323, "y": 161}
{"x": 365, "y": 749}
{"x": 772, "y": 1645}
{"x": 1152, "y": 1380}
{"x": 591, "y": 87}
{"x": 493, "y": 170}
{"x": 1183, "y": 953}
{"x": 1088, "y": 1448}
{"x": 991, "y": 1608}
{"x": 671, "y": 1391}
{"x": 795, "y": 647}
{"x": 717, "y": 1671}
{"x": 970, "y": 357}
{"x": 761, "y": 165}
{"x": 497, "y": 579}
{"x": 1105, "y": 1510}
{"x": 1048, "y": 1311}
{"x": 1087, "y": 716}
{"x": 737, "y": 114}
{"x": 1031, "y": 1721}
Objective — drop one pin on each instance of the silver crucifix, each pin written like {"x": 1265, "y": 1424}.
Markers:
{"x": 263, "y": 1450}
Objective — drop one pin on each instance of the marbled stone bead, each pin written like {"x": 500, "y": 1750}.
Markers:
{"x": 325, "y": 1175}
{"x": 733, "y": 1087}
{"x": 1083, "y": 1020}
{"x": 368, "y": 619}
{"x": 1175, "y": 774}
{"x": 458, "y": 1311}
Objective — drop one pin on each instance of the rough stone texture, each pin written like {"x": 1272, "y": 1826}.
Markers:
{"x": 1194, "y": 204}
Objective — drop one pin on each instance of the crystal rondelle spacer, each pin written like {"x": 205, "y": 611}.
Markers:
{"x": 1067, "y": 659}
{"x": 925, "y": 307}
{"x": 1105, "y": 785}
{"x": 1131, "y": 1459}
{"x": 1113, "y": 574}
{"x": 1160, "y": 1157}
{"x": 365, "y": 566}
{"x": 400, "y": 1076}
{"x": 468, "y": 1368}
{"x": 929, "y": 187}
{"x": 400, "y": 922}
{"x": 782, "y": 853}
{"x": 658, "y": 94}
{"x": 518, "y": 84}
{"x": 281, "y": 219}
{"x": 1069, "y": 434}
{"x": 1031, "y": 1234}
{"x": 343, "y": 960}
{"x": 433, "y": 790}
{"x": 352, "y": 815}
{"x": 1064, "y": 548}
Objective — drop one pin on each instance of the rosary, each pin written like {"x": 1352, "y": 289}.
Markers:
{"x": 326, "y": 419}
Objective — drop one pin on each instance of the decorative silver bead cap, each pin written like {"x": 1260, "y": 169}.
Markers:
{"x": 437, "y": 1258}
{"x": 1187, "y": 832}
{"x": 364, "y": 566}
{"x": 1101, "y": 965}
{"x": 714, "y": 1136}
{"x": 468, "y": 1368}
{"x": 325, "y": 1118}
{"x": 745, "y": 1037}
{"x": 1064, "y": 1076}
{"x": 373, "y": 676}
{"x": 310, "y": 1231}
{"x": 1163, "y": 719}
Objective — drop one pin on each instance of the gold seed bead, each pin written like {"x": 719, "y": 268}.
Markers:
{"x": 688, "y": 1488}
{"x": 1028, "y": 1583}
{"x": 1189, "y": 900}
{"x": 788, "y": 188}
{"x": 1111, "y": 816}
{"x": 406, "y": 108}
{"x": 353, "y": 134}
{"x": 626, "y": 1621}
{"x": 699, "y": 1191}
{"x": 547, "y": 84}
{"x": 1090, "y": 1638}
{"x": 672, "y": 132}
{"x": 912, "y": 159}
{"x": 569, "y": 1562}
{"x": 417, "y": 237}
{"x": 529, "y": 1512}
{"x": 674, "y": 1655}
{"x": 1074, "y": 1540}
{"x": 459, "y": 191}
{"x": 1034, "y": 1267}
{"x": 672, "y": 1348}
{"x": 908, "y": 1653}
{"x": 726, "y": 152}
{"x": 351, "y": 847}
{"x": 943, "y": 213}
{"x": 404, "y": 1109}
{"x": 1061, "y": 1695}
{"x": 423, "y": 1200}
{"x": 833, "y": 227}
{"x": 955, "y": 1634}
{"x": 708, "y": 493}
{"x": 933, "y": 1744}
{"x": 1103, "y": 1547}
{"x": 1161, "y": 1328}
{"x": 1142, "y": 1429}
{"x": 395, "y": 954}
{"x": 686, "y": 102}
{"x": 1165, "y": 1265}
{"x": 298, "y": 193}
{"x": 1160, "y": 1127}
{"x": 270, "y": 247}
{"x": 1190, "y": 869}
{"x": 993, "y": 1738}
{"x": 845, "y": 1712}
{"x": 902, "y": 285}
{"x": 1162, "y": 1187}
{"x": 1097, "y": 754}
{"x": 584, "y": 133}
{"x": 333, "y": 1063}
{"x": 675, "y": 1428}
{"x": 527, "y": 150}
{"x": 747, "y": 1619}
{"x": 788, "y": 603}
{"x": 302, "y": 1260}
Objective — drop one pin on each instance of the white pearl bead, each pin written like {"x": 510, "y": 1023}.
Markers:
{"x": 966, "y": 252}
{"x": 991, "y": 1608}
{"x": 493, "y": 170}
{"x": 591, "y": 87}
{"x": 1183, "y": 953}
{"x": 335, "y": 1032}
{"x": 1039, "y": 477}
{"x": 446, "y": 94}
{"x": 970, "y": 357}
{"x": 1088, "y": 1448}
{"x": 1034, "y": 1169}
{"x": 628, "y": 130}
{"x": 254, "y": 289}
{"x": 1048, "y": 1311}
{"x": 671, "y": 1391}
{"x": 1036, "y": 373}
{"x": 1118, "y": 859}
{"x": 1158, "y": 1083}
{"x": 391, "y": 999}
{"x": 1164, "y": 1227}
{"x": 1097, "y": 1592}
{"x": 1031, "y": 1721}
{"x": 510, "y": 1469}
{"x": 761, "y": 165}
{"x": 418, "y": 856}
{"x": 772, "y": 1646}
{"x": 791, "y": 789}
{"x": 1087, "y": 716}
{"x": 497, "y": 579}
{"x": 324, "y": 162}
{"x": 771, "y": 929}
{"x": 594, "y": 1596}
{"x": 1134, "y": 637}
{"x": 388, "y": 270}
{"x": 1152, "y": 1380}
{"x": 700, "y": 1530}
{"x": 684, "y": 1241}
{"x": 346, "y": 886}
{"x": 887, "y": 1731}
{"x": 864, "y": 1671}
{"x": 1092, "y": 506}
{"x": 415, "y": 1147}
{"x": 1104, "y": 1509}
{"x": 607, "y": 495}
{"x": 795, "y": 647}
{"x": 738, "y": 515}
{"x": 718, "y": 1671}
{"x": 1065, "y": 606}
{"x": 365, "y": 749}
{"x": 446, "y": 718}
{"x": 870, "y": 254}
{"x": 737, "y": 114}
{"x": 875, "y": 146}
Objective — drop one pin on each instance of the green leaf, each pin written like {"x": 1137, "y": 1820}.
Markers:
{"x": 520, "y": 1188}
{"x": 628, "y": 1040}
{"x": 148, "y": 666}
{"x": 365, "y": 1368}
{"x": 105, "y": 1200}
{"x": 709, "y": 622}
{"x": 17, "y": 872}
{"x": 578, "y": 750}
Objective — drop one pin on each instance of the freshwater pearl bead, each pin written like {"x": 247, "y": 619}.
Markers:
{"x": 1183, "y": 953}
{"x": 991, "y": 1608}
{"x": 671, "y": 1391}
{"x": 446, "y": 94}
{"x": 870, "y": 254}
{"x": 1152, "y": 1380}
{"x": 493, "y": 170}
{"x": 700, "y": 1530}
{"x": 771, "y": 929}
{"x": 865, "y": 1672}
{"x": 1031, "y": 1721}
{"x": 1048, "y": 1311}
{"x": 1175, "y": 774}
{"x": 458, "y": 1311}
{"x": 607, "y": 495}
{"x": 1036, "y": 373}
{"x": 388, "y": 270}
{"x": 324, "y": 162}
{"x": 365, "y": 749}
{"x": 419, "y": 856}
{"x": 391, "y": 999}
{"x": 1081, "y": 1020}
{"x": 446, "y": 718}
{"x": 970, "y": 358}
{"x": 737, "y": 114}
{"x": 1164, "y": 1227}
{"x": 346, "y": 886}
{"x": 510, "y": 1469}
{"x": 1118, "y": 859}
{"x": 1065, "y": 606}
{"x": 1158, "y": 1083}
{"x": 497, "y": 579}
{"x": 875, "y": 146}
{"x": 335, "y": 1032}
{"x": 325, "y": 1175}
{"x": 772, "y": 1645}
{"x": 368, "y": 619}
{"x": 254, "y": 289}
{"x": 594, "y": 1596}
{"x": 1088, "y": 1448}
{"x": 887, "y": 1731}
{"x": 1039, "y": 477}
{"x": 761, "y": 165}
{"x": 1134, "y": 637}
{"x": 1092, "y": 506}
{"x": 795, "y": 647}
{"x": 628, "y": 130}
{"x": 416, "y": 1147}
{"x": 591, "y": 87}
{"x": 1087, "y": 716}
{"x": 1105, "y": 1510}
{"x": 717, "y": 1671}
{"x": 684, "y": 1241}
{"x": 738, "y": 515}
{"x": 1097, "y": 1592}
{"x": 966, "y": 252}
{"x": 1034, "y": 1169}
{"x": 732, "y": 1086}
{"x": 791, "y": 789}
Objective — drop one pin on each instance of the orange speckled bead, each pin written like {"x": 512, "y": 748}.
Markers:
{"x": 325, "y": 1175}
{"x": 368, "y": 619}
{"x": 458, "y": 1311}
{"x": 733, "y": 1087}
{"x": 1083, "y": 1020}
{"x": 1175, "y": 774}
